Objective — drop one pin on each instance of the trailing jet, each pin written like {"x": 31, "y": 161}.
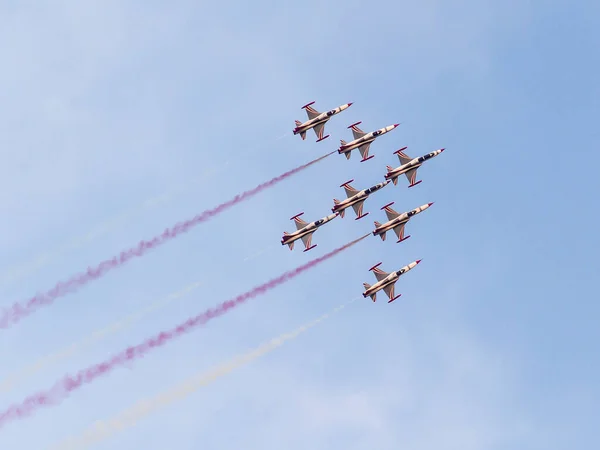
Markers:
{"x": 409, "y": 166}
{"x": 386, "y": 281}
{"x": 396, "y": 221}
{"x": 356, "y": 199}
{"x": 304, "y": 231}
{"x": 362, "y": 140}
{"x": 316, "y": 121}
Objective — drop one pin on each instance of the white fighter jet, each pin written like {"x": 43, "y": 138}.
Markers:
{"x": 386, "y": 281}
{"x": 304, "y": 231}
{"x": 362, "y": 141}
{"x": 396, "y": 221}
{"x": 316, "y": 121}
{"x": 409, "y": 166}
{"x": 356, "y": 199}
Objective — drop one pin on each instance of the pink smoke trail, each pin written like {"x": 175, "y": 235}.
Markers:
{"x": 68, "y": 384}
{"x": 18, "y": 311}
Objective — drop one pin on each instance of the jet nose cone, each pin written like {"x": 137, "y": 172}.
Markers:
{"x": 442, "y": 149}
{"x": 396, "y": 124}
{"x": 429, "y": 204}
{"x": 350, "y": 104}
{"x": 418, "y": 261}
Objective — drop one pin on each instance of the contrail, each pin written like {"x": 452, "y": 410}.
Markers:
{"x": 43, "y": 259}
{"x": 128, "y": 418}
{"x": 122, "y": 324}
{"x": 260, "y": 252}
{"x": 53, "y": 358}
{"x": 20, "y": 310}
{"x": 68, "y": 384}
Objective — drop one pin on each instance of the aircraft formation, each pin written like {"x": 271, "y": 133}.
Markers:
{"x": 356, "y": 198}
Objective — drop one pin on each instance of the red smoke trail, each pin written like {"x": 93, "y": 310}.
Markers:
{"x": 68, "y": 384}
{"x": 20, "y": 310}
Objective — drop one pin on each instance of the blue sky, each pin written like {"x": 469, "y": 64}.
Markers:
{"x": 493, "y": 344}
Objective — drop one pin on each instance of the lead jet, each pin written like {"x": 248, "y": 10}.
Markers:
{"x": 356, "y": 199}
{"x": 396, "y": 221}
{"x": 362, "y": 141}
{"x": 386, "y": 281}
{"x": 304, "y": 231}
{"x": 409, "y": 166}
{"x": 316, "y": 121}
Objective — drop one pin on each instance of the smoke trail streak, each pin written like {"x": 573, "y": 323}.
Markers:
{"x": 92, "y": 338}
{"x": 43, "y": 259}
{"x": 20, "y": 310}
{"x": 104, "y": 429}
{"x": 260, "y": 252}
{"x": 25, "y": 373}
{"x": 68, "y": 384}
{"x": 101, "y": 229}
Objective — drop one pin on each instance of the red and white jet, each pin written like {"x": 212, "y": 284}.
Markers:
{"x": 362, "y": 140}
{"x": 409, "y": 166}
{"x": 304, "y": 231}
{"x": 356, "y": 199}
{"x": 396, "y": 221}
{"x": 316, "y": 120}
{"x": 386, "y": 281}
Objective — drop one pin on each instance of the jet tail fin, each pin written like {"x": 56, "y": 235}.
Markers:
{"x": 341, "y": 212}
{"x": 303, "y": 135}
{"x": 343, "y": 142}
{"x": 298, "y": 123}
{"x": 366, "y": 285}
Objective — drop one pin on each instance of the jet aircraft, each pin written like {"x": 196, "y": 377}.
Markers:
{"x": 386, "y": 281}
{"x": 362, "y": 140}
{"x": 396, "y": 221}
{"x": 316, "y": 121}
{"x": 304, "y": 231}
{"x": 409, "y": 166}
{"x": 356, "y": 199}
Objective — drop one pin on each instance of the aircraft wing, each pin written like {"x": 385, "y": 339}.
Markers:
{"x": 380, "y": 274}
{"x": 300, "y": 223}
{"x": 391, "y": 214}
{"x": 403, "y": 157}
{"x": 389, "y": 290}
{"x": 319, "y": 130}
{"x": 307, "y": 239}
{"x": 311, "y": 112}
{"x": 357, "y": 132}
{"x": 411, "y": 175}
{"x": 350, "y": 191}
{"x": 358, "y": 207}
{"x": 399, "y": 230}
{"x": 364, "y": 150}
